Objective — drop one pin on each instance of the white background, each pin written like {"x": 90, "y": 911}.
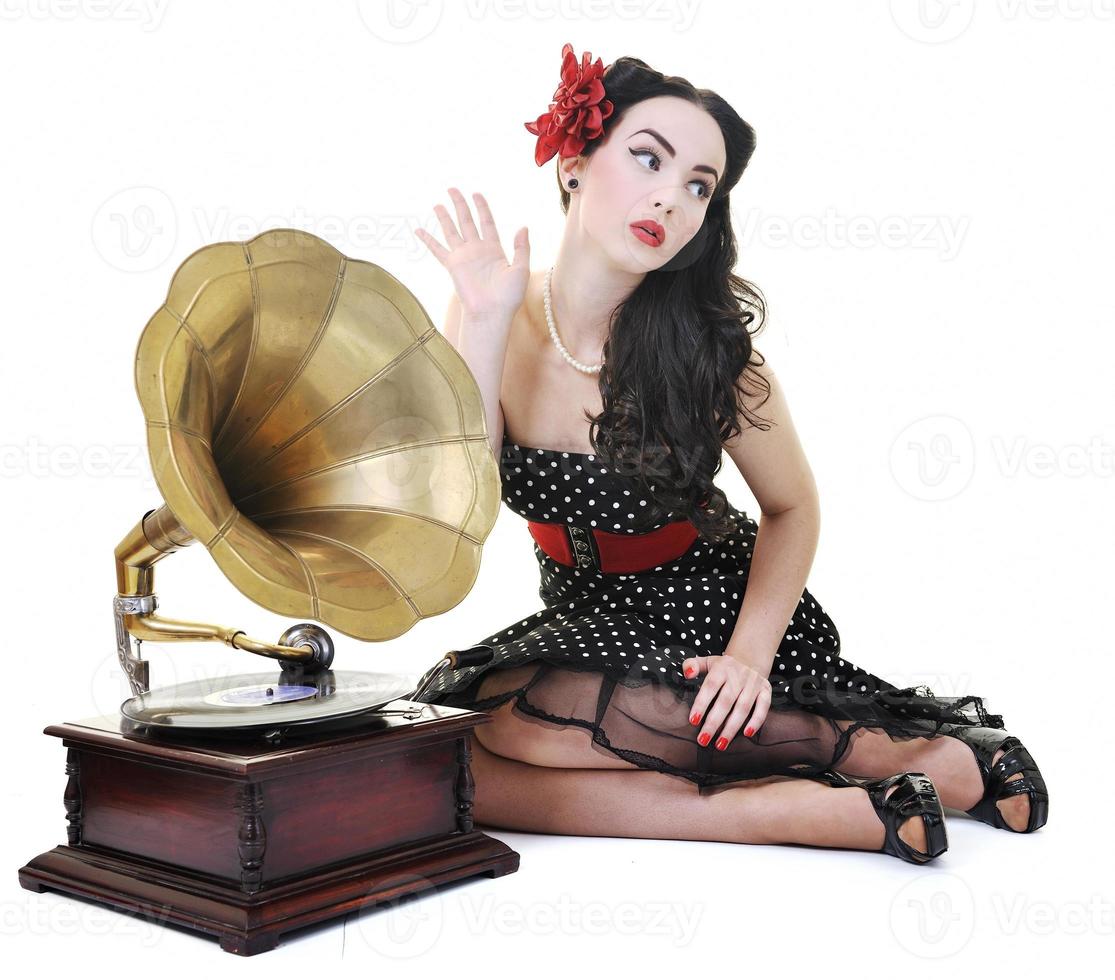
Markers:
{"x": 929, "y": 213}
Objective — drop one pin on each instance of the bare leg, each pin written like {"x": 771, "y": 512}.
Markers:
{"x": 947, "y": 761}
{"x": 802, "y": 808}
{"x": 551, "y": 778}
{"x": 604, "y": 802}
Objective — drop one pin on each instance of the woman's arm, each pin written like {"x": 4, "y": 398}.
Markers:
{"x": 485, "y": 360}
{"x": 775, "y": 468}
{"x": 487, "y": 292}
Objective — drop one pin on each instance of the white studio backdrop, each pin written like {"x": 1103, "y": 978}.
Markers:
{"x": 929, "y": 213}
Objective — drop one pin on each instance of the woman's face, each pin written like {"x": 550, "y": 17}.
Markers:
{"x": 658, "y": 164}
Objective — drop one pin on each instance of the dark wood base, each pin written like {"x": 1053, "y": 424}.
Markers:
{"x": 248, "y": 841}
{"x": 253, "y": 925}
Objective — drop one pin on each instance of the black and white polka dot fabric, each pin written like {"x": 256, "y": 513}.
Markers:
{"x": 605, "y": 651}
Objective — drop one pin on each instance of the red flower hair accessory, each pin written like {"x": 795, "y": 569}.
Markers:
{"x": 577, "y": 112}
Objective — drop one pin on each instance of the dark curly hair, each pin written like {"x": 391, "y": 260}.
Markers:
{"x": 680, "y": 343}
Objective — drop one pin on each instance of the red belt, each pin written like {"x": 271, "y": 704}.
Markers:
{"x": 604, "y": 551}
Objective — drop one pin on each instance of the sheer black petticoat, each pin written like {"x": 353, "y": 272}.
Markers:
{"x": 604, "y": 653}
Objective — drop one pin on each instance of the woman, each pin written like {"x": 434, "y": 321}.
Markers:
{"x": 658, "y": 693}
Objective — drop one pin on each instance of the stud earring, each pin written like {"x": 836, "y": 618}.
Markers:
{"x": 573, "y": 183}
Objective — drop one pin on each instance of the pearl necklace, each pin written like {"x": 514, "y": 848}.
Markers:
{"x": 586, "y": 368}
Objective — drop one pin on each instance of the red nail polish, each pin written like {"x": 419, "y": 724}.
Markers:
{"x": 748, "y": 730}
{"x": 703, "y": 738}
{"x": 688, "y": 671}
{"x": 722, "y": 743}
{"x": 695, "y": 719}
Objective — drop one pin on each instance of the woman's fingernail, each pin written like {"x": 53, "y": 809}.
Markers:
{"x": 688, "y": 671}
{"x": 747, "y": 731}
{"x": 722, "y": 743}
{"x": 695, "y": 719}
{"x": 703, "y": 738}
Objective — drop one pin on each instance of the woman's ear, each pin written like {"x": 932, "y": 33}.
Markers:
{"x": 570, "y": 168}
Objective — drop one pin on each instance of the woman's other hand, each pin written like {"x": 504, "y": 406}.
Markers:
{"x": 729, "y": 690}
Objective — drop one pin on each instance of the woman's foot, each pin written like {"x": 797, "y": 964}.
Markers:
{"x": 908, "y": 802}
{"x": 1015, "y": 796}
{"x": 911, "y": 830}
{"x": 910, "y": 811}
{"x": 1015, "y": 808}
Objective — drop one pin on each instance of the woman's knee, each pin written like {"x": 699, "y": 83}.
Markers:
{"x": 873, "y": 752}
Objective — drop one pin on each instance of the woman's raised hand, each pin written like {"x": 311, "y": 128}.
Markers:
{"x": 485, "y": 282}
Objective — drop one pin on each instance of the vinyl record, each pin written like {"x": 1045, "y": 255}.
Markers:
{"x": 264, "y": 700}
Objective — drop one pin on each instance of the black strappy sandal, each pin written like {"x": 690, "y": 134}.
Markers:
{"x": 984, "y": 743}
{"x": 916, "y": 796}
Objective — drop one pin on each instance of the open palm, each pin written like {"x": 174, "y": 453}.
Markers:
{"x": 485, "y": 282}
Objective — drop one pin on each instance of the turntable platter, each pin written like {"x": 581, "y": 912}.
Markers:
{"x": 264, "y": 700}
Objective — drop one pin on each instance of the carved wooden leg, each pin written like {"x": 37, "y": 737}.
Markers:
{"x": 252, "y": 837}
{"x": 465, "y": 786}
{"x": 72, "y": 797}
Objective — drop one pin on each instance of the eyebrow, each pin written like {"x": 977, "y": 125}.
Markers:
{"x": 703, "y": 168}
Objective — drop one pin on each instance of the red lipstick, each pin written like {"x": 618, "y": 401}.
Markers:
{"x": 648, "y": 231}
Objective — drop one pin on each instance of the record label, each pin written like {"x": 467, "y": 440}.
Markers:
{"x": 256, "y": 694}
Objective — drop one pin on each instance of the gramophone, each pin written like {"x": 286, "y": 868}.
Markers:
{"x": 313, "y": 430}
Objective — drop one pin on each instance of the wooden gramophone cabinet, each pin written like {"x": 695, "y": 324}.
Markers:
{"x": 246, "y": 840}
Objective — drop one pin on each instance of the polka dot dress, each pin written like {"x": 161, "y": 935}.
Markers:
{"x": 605, "y": 652}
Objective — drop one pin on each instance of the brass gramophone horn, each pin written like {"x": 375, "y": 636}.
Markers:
{"x": 311, "y": 427}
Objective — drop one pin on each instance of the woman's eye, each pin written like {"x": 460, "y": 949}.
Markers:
{"x": 706, "y": 186}
{"x": 647, "y": 153}
{"x": 703, "y": 184}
